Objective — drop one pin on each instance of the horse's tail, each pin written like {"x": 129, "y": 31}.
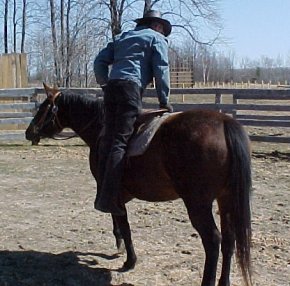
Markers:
{"x": 240, "y": 186}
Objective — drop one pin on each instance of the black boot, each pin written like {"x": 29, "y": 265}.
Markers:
{"x": 110, "y": 205}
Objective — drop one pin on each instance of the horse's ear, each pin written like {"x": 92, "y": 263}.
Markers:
{"x": 50, "y": 92}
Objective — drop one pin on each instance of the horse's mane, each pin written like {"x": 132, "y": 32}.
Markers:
{"x": 78, "y": 103}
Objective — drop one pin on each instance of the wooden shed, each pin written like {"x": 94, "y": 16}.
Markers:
{"x": 13, "y": 71}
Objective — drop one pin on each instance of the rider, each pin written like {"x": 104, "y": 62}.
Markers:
{"x": 135, "y": 58}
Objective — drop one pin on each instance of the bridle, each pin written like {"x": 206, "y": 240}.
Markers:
{"x": 43, "y": 121}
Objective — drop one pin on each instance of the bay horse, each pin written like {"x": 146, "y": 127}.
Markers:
{"x": 197, "y": 155}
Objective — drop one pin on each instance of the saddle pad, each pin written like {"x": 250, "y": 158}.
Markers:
{"x": 142, "y": 137}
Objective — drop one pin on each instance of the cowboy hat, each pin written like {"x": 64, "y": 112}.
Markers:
{"x": 155, "y": 16}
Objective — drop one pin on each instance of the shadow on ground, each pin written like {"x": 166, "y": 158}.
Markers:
{"x": 19, "y": 268}
{"x": 272, "y": 155}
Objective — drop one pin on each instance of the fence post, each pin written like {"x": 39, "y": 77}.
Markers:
{"x": 218, "y": 100}
{"x": 183, "y": 98}
{"x": 235, "y": 101}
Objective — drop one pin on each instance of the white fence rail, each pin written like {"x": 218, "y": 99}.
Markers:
{"x": 261, "y": 108}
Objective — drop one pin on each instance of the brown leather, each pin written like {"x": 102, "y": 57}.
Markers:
{"x": 148, "y": 114}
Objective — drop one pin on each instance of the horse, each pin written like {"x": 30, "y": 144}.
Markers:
{"x": 198, "y": 155}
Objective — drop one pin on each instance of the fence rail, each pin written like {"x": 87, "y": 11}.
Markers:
{"x": 259, "y": 108}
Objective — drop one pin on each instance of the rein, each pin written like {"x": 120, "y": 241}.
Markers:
{"x": 76, "y": 135}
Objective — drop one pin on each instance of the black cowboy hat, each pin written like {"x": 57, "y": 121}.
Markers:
{"x": 155, "y": 16}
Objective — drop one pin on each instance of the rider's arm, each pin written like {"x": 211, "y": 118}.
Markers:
{"x": 102, "y": 62}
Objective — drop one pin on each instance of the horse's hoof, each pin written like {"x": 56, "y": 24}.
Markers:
{"x": 128, "y": 265}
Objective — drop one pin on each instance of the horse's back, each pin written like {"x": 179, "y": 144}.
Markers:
{"x": 196, "y": 149}
{"x": 188, "y": 151}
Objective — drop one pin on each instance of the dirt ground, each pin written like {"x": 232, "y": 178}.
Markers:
{"x": 51, "y": 235}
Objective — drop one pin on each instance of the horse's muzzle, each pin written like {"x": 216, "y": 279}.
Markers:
{"x": 32, "y": 134}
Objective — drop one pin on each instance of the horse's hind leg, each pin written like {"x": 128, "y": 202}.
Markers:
{"x": 202, "y": 220}
{"x": 228, "y": 241}
{"x": 118, "y": 236}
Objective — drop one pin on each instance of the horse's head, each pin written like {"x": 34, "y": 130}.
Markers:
{"x": 45, "y": 122}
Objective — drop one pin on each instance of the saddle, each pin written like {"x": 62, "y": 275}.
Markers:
{"x": 145, "y": 127}
{"x": 147, "y": 115}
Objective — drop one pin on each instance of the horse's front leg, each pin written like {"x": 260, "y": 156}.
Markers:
{"x": 97, "y": 176}
{"x": 124, "y": 229}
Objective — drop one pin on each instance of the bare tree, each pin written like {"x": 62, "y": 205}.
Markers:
{"x": 63, "y": 37}
{"x": 74, "y": 30}
{"x": 18, "y": 22}
{"x": 62, "y": 34}
{"x": 116, "y": 17}
{"x": 23, "y": 28}
{"x": 6, "y": 4}
{"x": 148, "y": 5}
{"x": 188, "y": 17}
{"x": 54, "y": 42}
{"x": 191, "y": 18}
{"x": 68, "y": 46}
{"x": 74, "y": 36}
{"x": 206, "y": 64}
{"x": 14, "y": 26}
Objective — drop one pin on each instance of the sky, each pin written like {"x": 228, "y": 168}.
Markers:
{"x": 256, "y": 28}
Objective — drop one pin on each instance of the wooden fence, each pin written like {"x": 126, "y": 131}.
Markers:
{"x": 181, "y": 79}
{"x": 13, "y": 71}
{"x": 264, "y": 112}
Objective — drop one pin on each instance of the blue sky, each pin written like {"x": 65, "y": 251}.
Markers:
{"x": 256, "y": 28}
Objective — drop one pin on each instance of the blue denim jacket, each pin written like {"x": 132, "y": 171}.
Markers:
{"x": 137, "y": 55}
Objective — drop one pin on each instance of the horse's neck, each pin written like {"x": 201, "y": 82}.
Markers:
{"x": 87, "y": 131}
{"x": 86, "y": 126}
